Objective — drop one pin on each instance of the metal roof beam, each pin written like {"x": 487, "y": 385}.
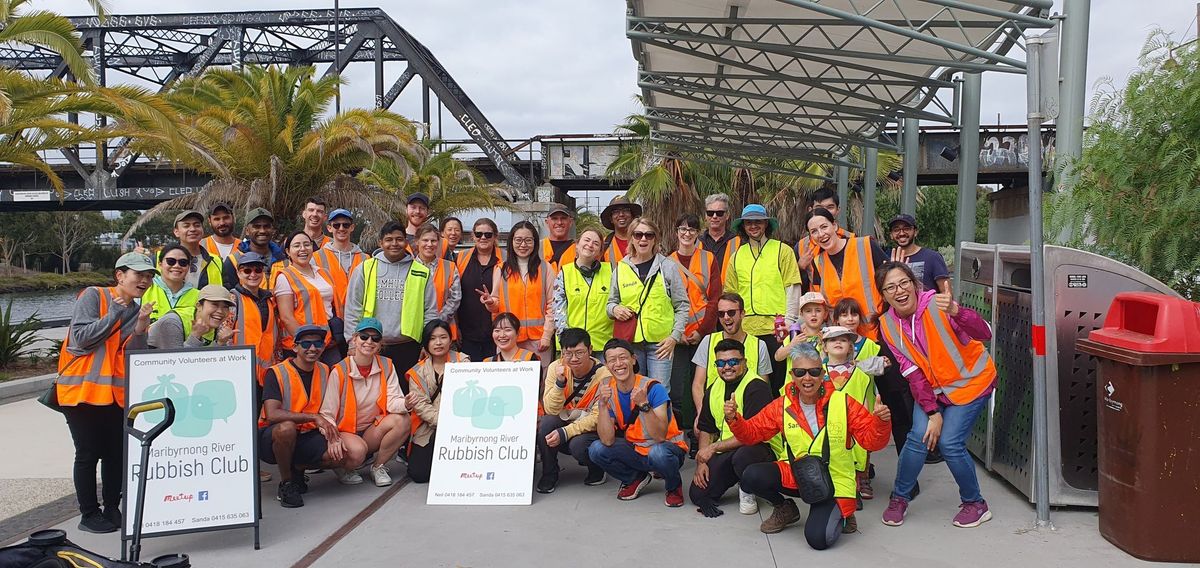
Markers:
{"x": 699, "y": 153}
{"x": 767, "y": 150}
{"x": 676, "y": 116}
{"x": 776, "y": 76}
{"x": 785, "y": 118}
{"x": 742, "y": 162}
{"x": 807, "y": 22}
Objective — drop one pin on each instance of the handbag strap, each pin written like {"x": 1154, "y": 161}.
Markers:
{"x": 646, "y": 292}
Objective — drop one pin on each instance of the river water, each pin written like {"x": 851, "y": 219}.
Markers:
{"x": 54, "y": 304}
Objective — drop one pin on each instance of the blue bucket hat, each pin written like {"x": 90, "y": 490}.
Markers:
{"x": 756, "y": 212}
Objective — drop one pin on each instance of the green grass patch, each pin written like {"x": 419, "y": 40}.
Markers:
{"x": 50, "y": 281}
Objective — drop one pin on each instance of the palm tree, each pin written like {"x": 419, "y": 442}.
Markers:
{"x": 260, "y": 132}
{"x": 453, "y": 187}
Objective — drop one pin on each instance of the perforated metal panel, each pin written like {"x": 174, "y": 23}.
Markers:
{"x": 1012, "y": 414}
{"x": 979, "y": 298}
{"x": 1077, "y": 400}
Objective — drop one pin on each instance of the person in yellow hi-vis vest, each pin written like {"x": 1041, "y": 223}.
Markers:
{"x": 396, "y": 289}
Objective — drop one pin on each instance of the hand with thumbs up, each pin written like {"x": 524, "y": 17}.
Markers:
{"x": 881, "y": 411}
{"x": 945, "y": 302}
{"x": 731, "y": 410}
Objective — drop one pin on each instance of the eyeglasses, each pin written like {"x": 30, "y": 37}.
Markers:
{"x": 639, "y": 235}
{"x": 370, "y": 337}
{"x": 254, "y": 269}
{"x": 905, "y": 284}
{"x": 575, "y": 355}
{"x": 310, "y": 343}
{"x": 687, "y": 230}
{"x": 172, "y": 261}
{"x": 722, "y": 363}
{"x": 815, "y": 371}
{"x": 341, "y": 225}
{"x": 523, "y": 241}
{"x": 727, "y": 313}
{"x": 484, "y": 234}
{"x": 715, "y": 213}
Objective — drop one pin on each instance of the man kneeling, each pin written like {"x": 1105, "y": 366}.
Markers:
{"x": 638, "y": 433}
{"x": 569, "y": 399}
{"x": 367, "y": 405}
{"x": 291, "y": 431}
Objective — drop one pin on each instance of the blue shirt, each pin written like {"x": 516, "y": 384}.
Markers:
{"x": 656, "y": 396}
{"x": 929, "y": 267}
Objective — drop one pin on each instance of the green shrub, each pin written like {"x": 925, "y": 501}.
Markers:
{"x": 16, "y": 337}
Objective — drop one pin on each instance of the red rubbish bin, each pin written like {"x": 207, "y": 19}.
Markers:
{"x": 1148, "y": 398}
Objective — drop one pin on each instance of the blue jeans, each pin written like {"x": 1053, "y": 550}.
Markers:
{"x": 651, "y": 366}
{"x": 623, "y": 462}
{"x": 957, "y": 422}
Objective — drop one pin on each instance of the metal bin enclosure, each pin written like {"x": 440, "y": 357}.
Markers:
{"x": 978, "y": 292}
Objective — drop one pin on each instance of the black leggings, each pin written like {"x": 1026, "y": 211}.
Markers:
{"x": 725, "y": 469}
{"x": 420, "y": 461}
{"x": 893, "y": 390}
{"x": 98, "y": 433}
{"x": 823, "y": 526}
{"x": 779, "y": 369}
{"x": 404, "y": 356}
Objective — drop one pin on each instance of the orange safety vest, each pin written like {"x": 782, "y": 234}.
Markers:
{"x": 527, "y": 300}
{"x": 962, "y": 371}
{"x": 464, "y": 257}
{"x": 522, "y": 355}
{"x": 585, "y": 400}
{"x": 815, "y": 249}
{"x": 209, "y": 244}
{"x": 308, "y": 307}
{"x": 414, "y": 380}
{"x": 339, "y": 278}
{"x": 696, "y": 274}
{"x": 612, "y": 253}
{"x": 295, "y": 397}
{"x": 272, "y": 271}
{"x": 98, "y": 377}
{"x": 568, "y": 255}
{"x": 856, "y": 281}
{"x": 633, "y": 432}
{"x": 726, "y": 255}
{"x": 340, "y": 378}
{"x": 249, "y": 331}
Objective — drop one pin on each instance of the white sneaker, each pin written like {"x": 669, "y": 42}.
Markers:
{"x": 747, "y": 503}
{"x": 380, "y": 473}
{"x": 348, "y": 476}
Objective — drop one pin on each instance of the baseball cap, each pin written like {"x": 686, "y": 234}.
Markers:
{"x": 838, "y": 331}
{"x": 902, "y": 218}
{"x": 417, "y": 196}
{"x": 136, "y": 261}
{"x": 813, "y": 298}
{"x": 216, "y": 293}
{"x": 188, "y": 213}
{"x": 257, "y": 212}
{"x": 252, "y": 258}
{"x": 369, "y": 323}
{"x": 340, "y": 213}
{"x": 560, "y": 209}
{"x": 312, "y": 330}
{"x": 219, "y": 206}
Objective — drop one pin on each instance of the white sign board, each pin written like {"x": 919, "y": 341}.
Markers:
{"x": 485, "y": 435}
{"x": 202, "y": 471}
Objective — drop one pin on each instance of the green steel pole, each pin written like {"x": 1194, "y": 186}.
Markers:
{"x": 912, "y": 151}
{"x": 1072, "y": 94}
{"x": 869, "y": 183}
{"x": 843, "y": 192}
{"x": 968, "y": 169}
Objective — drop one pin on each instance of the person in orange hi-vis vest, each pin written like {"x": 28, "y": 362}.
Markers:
{"x": 697, "y": 267}
{"x": 618, "y": 217}
{"x": 315, "y": 215}
{"x": 718, "y": 238}
{"x": 637, "y": 431}
{"x": 558, "y": 248}
{"x": 369, "y": 409}
{"x": 571, "y": 408}
{"x": 472, "y": 327}
{"x": 446, "y": 280}
{"x": 304, "y": 294}
{"x": 255, "y": 321}
{"x": 452, "y": 233}
{"x": 424, "y": 397}
{"x": 807, "y": 248}
{"x": 91, "y": 385}
{"x": 222, "y": 240}
{"x": 522, "y": 285}
{"x": 339, "y": 257}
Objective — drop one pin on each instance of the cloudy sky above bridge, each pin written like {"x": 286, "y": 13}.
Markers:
{"x": 558, "y": 66}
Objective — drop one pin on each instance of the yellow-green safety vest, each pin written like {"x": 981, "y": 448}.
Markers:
{"x": 187, "y": 316}
{"x": 716, "y": 405}
{"x": 162, "y": 305}
{"x": 761, "y": 286}
{"x": 861, "y": 387}
{"x": 211, "y": 269}
{"x": 587, "y": 303}
{"x": 841, "y": 460}
{"x": 412, "y": 307}
{"x": 657, "y": 317}
{"x": 751, "y": 346}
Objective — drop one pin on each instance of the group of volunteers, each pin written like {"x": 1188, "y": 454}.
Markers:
{"x": 649, "y": 356}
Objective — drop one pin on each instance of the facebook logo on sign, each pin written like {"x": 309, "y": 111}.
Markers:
{"x": 491, "y": 475}
{"x": 202, "y": 496}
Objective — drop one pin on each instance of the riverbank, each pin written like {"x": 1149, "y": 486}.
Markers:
{"x": 42, "y": 281}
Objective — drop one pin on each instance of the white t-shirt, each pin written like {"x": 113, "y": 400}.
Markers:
{"x": 224, "y": 250}
{"x": 700, "y": 359}
{"x": 282, "y": 288}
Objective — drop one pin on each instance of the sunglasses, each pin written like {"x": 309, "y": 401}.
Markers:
{"x": 722, "y": 363}
{"x": 171, "y": 261}
{"x": 727, "y": 313}
{"x": 714, "y": 213}
{"x": 484, "y": 234}
{"x": 815, "y": 371}
{"x": 310, "y": 343}
{"x": 255, "y": 269}
{"x": 341, "y": 225}
{"x": 370, "y": 337}
{"x": 639, "y": 235}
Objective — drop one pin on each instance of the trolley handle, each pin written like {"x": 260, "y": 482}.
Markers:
{"x": 147, "y": 406}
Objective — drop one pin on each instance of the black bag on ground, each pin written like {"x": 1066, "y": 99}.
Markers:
{"x": 813, "y": 480}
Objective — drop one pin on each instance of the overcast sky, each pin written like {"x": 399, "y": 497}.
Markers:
{"x": 565, "y": 66}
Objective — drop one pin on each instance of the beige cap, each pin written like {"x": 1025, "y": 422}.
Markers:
{"x": 813, "y": 298}
{"x": 216, "y": 293}
{"x": 838, "y": 331}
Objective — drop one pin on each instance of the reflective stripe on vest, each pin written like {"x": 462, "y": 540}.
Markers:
{"x": 412, "y": 305}
{"x": 657, "y": 317}
{"x": 751, "y": 353}
{"x": 443, "y": 278}
{"x": 162, "y": 301}
{"x": 633, "y": 432}
{"x": 857, "y": 279}
{"x": 341, "y": 378}
{"x": 308, "y": 307}
{"x": 960, "y": 371}
{"x": 587, "y": 304}
{"x": 761, "y": 285}
{"x": 612, "y": 253}
{"x": 249, "y": 331}
{"x": 96, "y": 378}
{"x": 339, "y": 277}
{"x": 530, "y": 304}
{"x": 861, "y": 387}
{"x": 295, "y": 397}
{"x": 520, "y": 355}
{"x": 716, "y": 406}
{"x": 841, "y": 460}
{"x": 731, "y": 246}
{"x": 589, "y": 394}
{"x": 696, "y": 275}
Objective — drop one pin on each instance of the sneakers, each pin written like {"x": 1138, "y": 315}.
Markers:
{"x": 96, "y": 522}
{"x": 348, "y": 476}
{"x": 747, "y": 503}
{"x": 933, "y": 457}
{"x": 547, "y": 484}
{"x": 782, "y": 516}
{"x": 864, "y": 488}
{"x": 288, "y": 494}
{"x": 379, "y": 473}
{"x": 896, "y": 509}
{"x": 113, "y": 514}
{"x": 630, "y": 491}
{"x": 595, "y": 476}
{"x": 850, "y": 525}
{"x": 264, "y": 476}
{"x": 675, "y": 497}
{"x": 971, "y": 515}
{"x": 301, "y": 481}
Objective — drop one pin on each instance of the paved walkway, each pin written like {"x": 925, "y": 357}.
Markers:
{"x": 577, "y": 524}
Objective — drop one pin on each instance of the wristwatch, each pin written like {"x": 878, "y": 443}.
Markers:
{"x": 644, "y": 407}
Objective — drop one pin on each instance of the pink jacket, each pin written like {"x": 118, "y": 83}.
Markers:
{"x": 968, "y": 325}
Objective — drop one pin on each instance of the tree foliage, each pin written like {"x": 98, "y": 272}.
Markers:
{"x": 1137, "y": 198}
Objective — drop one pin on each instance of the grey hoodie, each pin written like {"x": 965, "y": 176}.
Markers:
{"x": 344, "y": 258}
{"x": 671, "y": 277}
{"x": 390, "y": 277}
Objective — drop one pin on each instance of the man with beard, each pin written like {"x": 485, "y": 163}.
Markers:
{"x": 416, "y": 211}
{"x": 928, "y": 265}
{"x": 259, "y": 229}
{"x": 616, "y": 218}
{"x": 314, "y": 217}
{"x": 221, "y": 242}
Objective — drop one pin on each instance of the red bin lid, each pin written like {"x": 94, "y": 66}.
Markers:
{"x": 1151, "y": 323}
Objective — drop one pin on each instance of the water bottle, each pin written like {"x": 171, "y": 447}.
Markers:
{"x": 780, "y": 328}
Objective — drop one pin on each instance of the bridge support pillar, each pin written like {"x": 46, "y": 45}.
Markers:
{"x": 912, "y": 153}
{"x": 968, "y": 169}
{"x": 843, "y": 192}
